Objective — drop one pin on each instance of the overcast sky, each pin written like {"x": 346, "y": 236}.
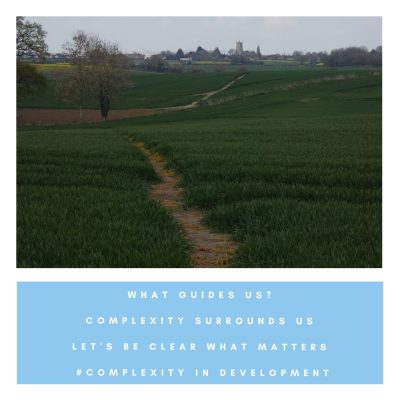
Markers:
{"x": 273, "y": 34}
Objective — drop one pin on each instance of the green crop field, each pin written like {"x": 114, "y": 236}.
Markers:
{"x": 147, "y": 90}
{"x": 288, "y": 162}
{"x": 82, "y": 202}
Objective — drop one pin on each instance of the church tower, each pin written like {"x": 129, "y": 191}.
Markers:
{"x": 239, "y": 48}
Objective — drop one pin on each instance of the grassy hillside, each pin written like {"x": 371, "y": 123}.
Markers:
{"x": 293, "y": 171}
{"x": 147, "y": 89}
{"x": 295, "y": 174}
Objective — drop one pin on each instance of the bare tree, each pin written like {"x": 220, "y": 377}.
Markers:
{"x": 75, "y": 87}
{"x": 100, "y": 71}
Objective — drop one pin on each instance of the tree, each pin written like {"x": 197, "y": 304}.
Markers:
{"x": 259, "y": 53}
{"x": 179, "y": 54}
{"x": 30, "y": 42}
{"x": 216, "y": 53}
{"x": 168, "y": 55}
{"x": 29, "y": 80}
{"x": 299, "y": 56}
{"x": 30, "y": 39}
{"x": 100, "y": 71}
{"x": 155, "y": 63}
{"x": 75, "y": 88}
{"x": 375, "y": 57}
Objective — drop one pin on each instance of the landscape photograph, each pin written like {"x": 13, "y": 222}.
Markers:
{"x": 199, "y": 142}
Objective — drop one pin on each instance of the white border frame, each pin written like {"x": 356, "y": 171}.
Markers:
{"x": 10, "y": 275}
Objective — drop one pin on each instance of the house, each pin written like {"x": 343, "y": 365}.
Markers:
{"x": 186, "y": 60}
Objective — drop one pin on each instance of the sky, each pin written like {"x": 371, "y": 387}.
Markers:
{"x": 150, "y": 35}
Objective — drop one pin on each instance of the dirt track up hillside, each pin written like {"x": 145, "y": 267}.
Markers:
{"x": 205, "y": 96}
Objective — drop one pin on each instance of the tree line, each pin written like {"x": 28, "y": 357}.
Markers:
{"x": 343, "y": 57}
{"x": 349, "y": 56}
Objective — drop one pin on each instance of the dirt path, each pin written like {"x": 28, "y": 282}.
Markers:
{"x": 205, "y": 96}
{"x": 50, "y": 116}
{"x": 210, "y": 249}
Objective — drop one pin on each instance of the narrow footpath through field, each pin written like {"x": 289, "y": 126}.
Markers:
{"x": 209, "y": 249}
{"x": 205, "y": 96}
